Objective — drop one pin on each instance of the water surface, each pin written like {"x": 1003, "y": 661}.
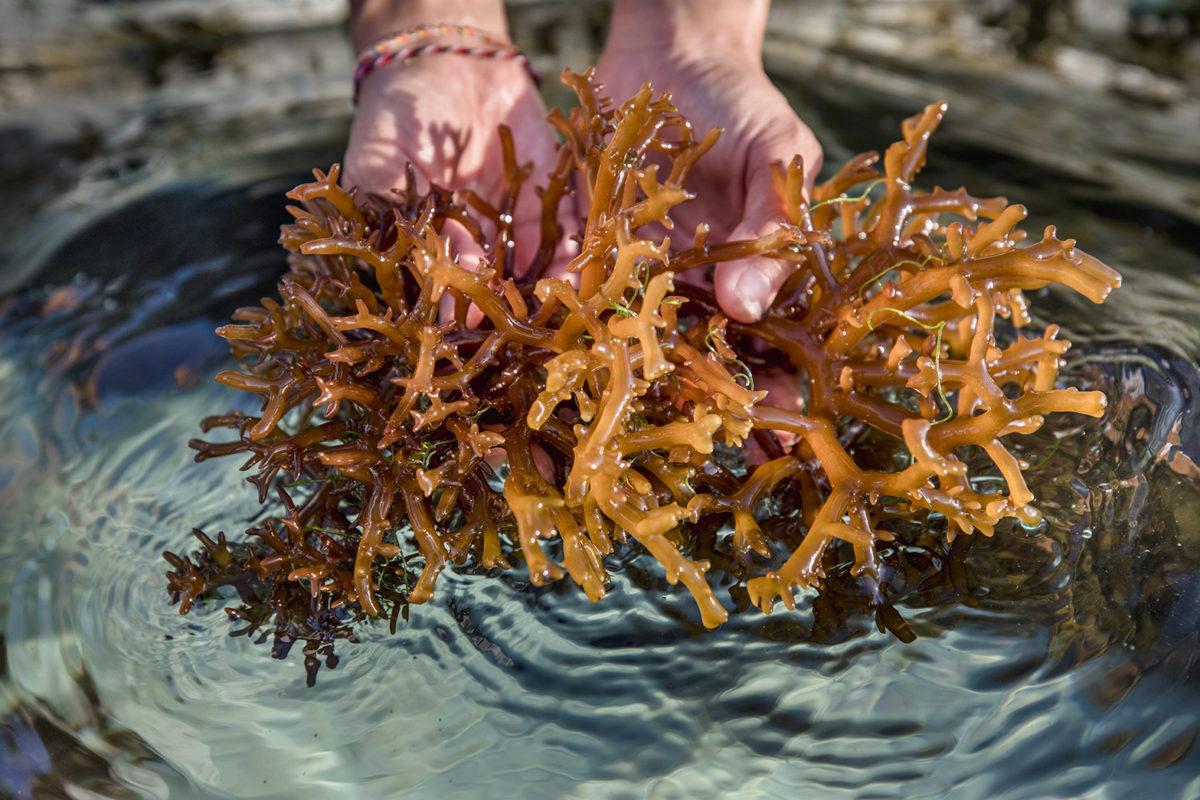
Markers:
{"x": 1062, "y": 664}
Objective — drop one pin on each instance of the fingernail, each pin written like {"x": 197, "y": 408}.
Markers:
{"x": 755, "y": 293}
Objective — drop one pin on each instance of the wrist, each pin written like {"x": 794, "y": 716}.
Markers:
{"x": 477, "y": 81}
{"x": 426, "y": 40}
{"x": 372, "y": 19}
{"x": 690, "y": 29}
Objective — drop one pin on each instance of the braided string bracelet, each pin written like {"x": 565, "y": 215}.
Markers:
{"x": 406, "y": 44}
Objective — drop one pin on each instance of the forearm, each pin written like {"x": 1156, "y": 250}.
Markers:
{"x": 372, "y": 19}
{"x": 732, "y": 29}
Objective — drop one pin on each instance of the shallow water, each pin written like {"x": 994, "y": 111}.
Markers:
{"x": 1060, "y": 666}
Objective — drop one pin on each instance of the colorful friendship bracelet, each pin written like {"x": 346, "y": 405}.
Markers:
{"x": 398, "y": 47}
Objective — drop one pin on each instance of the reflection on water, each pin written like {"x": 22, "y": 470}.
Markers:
{"x": 1061, "y": 666}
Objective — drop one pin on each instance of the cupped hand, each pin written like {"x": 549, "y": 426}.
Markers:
{"x": 442, "y": 113}
{"x": 733, "y": 183}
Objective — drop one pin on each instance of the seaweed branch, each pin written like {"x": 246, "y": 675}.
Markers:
{"x": 613, "y": 401}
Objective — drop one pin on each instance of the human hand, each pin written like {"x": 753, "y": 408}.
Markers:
{"x": 441, "y": 113}
{"x": 707, "y": 54}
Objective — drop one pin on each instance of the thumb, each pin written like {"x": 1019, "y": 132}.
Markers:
{"x": 745, "y": 288}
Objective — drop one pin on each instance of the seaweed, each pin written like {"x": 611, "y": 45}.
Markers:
{"x": 615, "y": 406}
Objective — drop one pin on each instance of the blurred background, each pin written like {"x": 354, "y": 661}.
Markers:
{"x": 96, "y": 95}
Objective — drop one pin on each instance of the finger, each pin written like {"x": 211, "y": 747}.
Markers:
{"x": 746, "y": 287}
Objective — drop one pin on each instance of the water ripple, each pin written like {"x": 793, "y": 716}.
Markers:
{"x": 1064, "y": 665}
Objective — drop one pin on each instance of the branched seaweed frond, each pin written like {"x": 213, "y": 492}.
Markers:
{"x": 610, "y": 397}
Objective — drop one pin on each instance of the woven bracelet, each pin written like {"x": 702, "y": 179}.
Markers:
{"x": 406, "y": 44}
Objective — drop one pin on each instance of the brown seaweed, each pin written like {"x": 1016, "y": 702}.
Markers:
{"x": 614, "y": 408}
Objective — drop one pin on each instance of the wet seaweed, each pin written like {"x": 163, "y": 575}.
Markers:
{"x": 616, "y": 405}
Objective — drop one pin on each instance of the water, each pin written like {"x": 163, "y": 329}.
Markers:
{"x": 1058, "y": 663}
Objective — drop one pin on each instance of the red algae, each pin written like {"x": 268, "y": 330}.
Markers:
{"x": 383, "y": 415}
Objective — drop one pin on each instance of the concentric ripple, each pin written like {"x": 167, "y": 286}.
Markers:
{"x": 1063, "y": 668}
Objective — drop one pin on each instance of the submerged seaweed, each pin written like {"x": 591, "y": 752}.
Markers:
{"x": 618, "y": 406}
